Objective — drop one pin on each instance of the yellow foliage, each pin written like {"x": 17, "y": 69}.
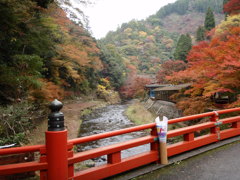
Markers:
{"x": 101, "y": 88}
{"x": 101, "y": 91}
{"x": 105, "y": 82}
{"x": 232, "y": 21}
{"x": 128, "y": 30}
{"x": 142, "y": 34}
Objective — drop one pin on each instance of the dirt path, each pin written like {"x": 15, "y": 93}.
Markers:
{"x": 72, "y": 112}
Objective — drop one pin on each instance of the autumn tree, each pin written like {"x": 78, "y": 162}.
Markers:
{"x": 212, "y": 67}
{"x": 135, "y": 88}
{"x": 223, "y": 29}
{"x": 168, "y": 68}
{"x": 231, "y": 6}
{"x": 209, "y": 22}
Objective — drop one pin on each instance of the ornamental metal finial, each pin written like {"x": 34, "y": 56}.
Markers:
{"x": 56, "y": 118}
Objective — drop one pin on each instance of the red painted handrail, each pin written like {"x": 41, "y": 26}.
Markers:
{"x": 22, "y": 167}
{"x": 115, "y": 164}
{"x": 97, "y": 152}
{"x": 111, "y": 134}
{"x": 198, "y": 116}
{"x": 24, "y": 149}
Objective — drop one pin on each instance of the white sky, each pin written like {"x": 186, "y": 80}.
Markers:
{"x": 106, "y": 15}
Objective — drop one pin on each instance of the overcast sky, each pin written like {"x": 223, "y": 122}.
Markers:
{"x": 106, "y": 15}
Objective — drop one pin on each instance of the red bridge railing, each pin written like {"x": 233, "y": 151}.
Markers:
{"x": 57, "y": 158}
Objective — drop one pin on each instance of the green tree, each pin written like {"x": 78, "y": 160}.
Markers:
{"x": 209, "y": 22}
{"x": 114, "y": 69}
{"x": 26, "y": 43}
{"x": 184, "y": 45}
{"x": 200, "y": 34}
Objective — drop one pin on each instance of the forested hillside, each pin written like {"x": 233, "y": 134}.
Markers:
{"x": 146, "y": 44}
{"x": 44, "y": 55}
{"x": 142, "y": 45}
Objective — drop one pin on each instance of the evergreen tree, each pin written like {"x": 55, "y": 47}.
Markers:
{"x": 184, "y": 45}
{"x": 209, "y": 22}
{"x": 200, "y": 34}
{"x": 224, "y": 2}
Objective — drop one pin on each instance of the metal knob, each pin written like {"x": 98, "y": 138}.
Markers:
{"x": 56, "y": 118}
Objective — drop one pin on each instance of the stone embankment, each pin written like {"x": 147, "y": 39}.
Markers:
{"x": 163, "y": 108}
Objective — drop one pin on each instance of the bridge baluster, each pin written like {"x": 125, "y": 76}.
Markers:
{"x": 236, "y": 124}
{"x": 114, "y": 157}
{"x": 188, "y": 137}
{"x": 43, "y": 158}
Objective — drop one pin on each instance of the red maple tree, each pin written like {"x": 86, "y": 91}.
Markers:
{"x": 168, "y": 67}
{"x": 232, "y": 7}
{"x": 212, "y": 67}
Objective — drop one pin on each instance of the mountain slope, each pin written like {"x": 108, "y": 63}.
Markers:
{"x": 142, "y": 45}
{"x": 187, "y": 23}
{"x": 147, "y": 43}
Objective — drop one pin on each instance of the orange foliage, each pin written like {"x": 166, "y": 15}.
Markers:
{"x": 60, "y": 17}
{"x": 74, "y": 53}
{"x": 195, "y": 105}
{"x": 82, "y": 48}
{"x": 48, "y": 91}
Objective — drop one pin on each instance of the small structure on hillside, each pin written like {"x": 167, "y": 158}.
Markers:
{"x": 164, "y": 93}
{"x": 152, "y": 87}
{"x": 223, "y": 97}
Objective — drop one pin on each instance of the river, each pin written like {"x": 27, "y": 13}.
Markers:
{"x": 107, "y": 119}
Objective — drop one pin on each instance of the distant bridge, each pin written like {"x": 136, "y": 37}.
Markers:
{"x": 57, "y": 157}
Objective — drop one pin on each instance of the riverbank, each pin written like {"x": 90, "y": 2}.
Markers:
{"x": 72, "y": 110}
{"x": 146, "y": 112}
{"x": 138, "y": 114}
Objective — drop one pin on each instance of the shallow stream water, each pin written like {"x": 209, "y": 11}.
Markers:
{"x": 107, "y": 119}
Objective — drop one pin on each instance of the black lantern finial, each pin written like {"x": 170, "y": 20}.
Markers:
{"x": 56, "y": 118}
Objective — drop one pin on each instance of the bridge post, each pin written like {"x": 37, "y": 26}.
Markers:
{"x": 56, "y": 144}
{"x": 216, "y": 129}
{"x": 155, "y": 145}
